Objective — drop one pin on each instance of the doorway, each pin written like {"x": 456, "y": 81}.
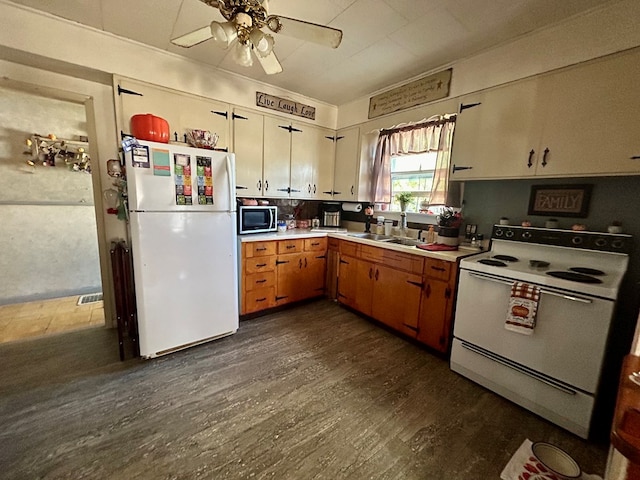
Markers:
{"x": 49, "y": 253}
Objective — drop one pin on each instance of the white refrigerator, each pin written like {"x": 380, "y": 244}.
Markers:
{"x": 182, "y": 223}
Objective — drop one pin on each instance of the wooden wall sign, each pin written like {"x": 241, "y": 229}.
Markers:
{"x": 560, "y": 201}
{"x": 424, "y": 90}
{"x": 283, "y": 105}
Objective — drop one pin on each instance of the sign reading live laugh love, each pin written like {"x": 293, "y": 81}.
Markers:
{"x": 287, "y": 106}
{"x": 424, "y": 90}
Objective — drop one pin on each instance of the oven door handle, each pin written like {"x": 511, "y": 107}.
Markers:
{"x": 517, "y": 368}
{"x": 566, "y": 296}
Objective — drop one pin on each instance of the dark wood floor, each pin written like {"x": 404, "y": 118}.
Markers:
{"x": 312, "y": 392}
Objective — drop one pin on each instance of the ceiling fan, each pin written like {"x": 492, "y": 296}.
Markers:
{"x": 245, "y": 19}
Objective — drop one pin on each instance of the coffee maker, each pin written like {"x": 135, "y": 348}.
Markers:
{"x": 330, "y": 214}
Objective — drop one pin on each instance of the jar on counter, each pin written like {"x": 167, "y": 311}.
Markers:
{"x": 282, "y": 226}
{"x": 290, "y": 222}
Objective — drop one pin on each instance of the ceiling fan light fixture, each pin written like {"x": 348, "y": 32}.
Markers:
{"x": 223, "y": 33}
{"x": 242, "y": 54}
{"x": 262, "y": 43}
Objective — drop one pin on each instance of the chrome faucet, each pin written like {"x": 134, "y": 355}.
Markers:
{"x": 403, "y": 223}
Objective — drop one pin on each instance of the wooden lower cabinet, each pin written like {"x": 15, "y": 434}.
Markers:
{"x": 396, "y": 299}
{"x": 278, "y": 272}
{"x": 436, "y": 310}
{"x": 347, "y": 274}
{"x": 396, "y": 290}
{"x": 390, "y": 295}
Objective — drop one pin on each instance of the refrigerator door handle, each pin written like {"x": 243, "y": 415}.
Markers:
{"x": 231, "y": 175}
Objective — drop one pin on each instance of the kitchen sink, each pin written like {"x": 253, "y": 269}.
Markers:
{"x": 387, "y": 239}
{"x": 371, "y": 236}
{"x": 412, "y": 242}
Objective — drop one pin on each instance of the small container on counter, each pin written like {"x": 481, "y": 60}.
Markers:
{"x": 290, "y": 222}
{"x": 315, "y": 223}
{"x": 302, "y": 223}
{"x": 282, "y": 226}
{"x": 380, "y": 226}
{"x": 388, "y": 227}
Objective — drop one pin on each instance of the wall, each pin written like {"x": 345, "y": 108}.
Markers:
{"x": 600, "y": 32}
{"x": 51, "y": 248}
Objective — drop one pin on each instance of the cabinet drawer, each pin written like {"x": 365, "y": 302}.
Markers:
{"x": 260, "y": 280}
{"x": 402, "y": 261}
{"x": 439, "y": 269}
{"x": 373, "y": 254}
{"x": 291, "y": 246}
{"x": 260, "y": 249}
{"x": 259, "y": 264}
{"x": 349, "y": 248}
{"x": 315, "y": 244}
{"x": 334, "y": 243}
{"x": 260, "y": 299}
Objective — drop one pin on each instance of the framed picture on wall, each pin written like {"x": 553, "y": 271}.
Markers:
{"x": 560, "y": 200}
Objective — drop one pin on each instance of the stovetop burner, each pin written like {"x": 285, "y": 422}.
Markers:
{"x": 493, "y": 263}
{"x": 574, "y": 277}
{"x": 505, "y": 258}
{"x": 587, "y": 271}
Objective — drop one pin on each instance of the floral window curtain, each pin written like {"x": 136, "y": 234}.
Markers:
{"x": 432, "y": 135}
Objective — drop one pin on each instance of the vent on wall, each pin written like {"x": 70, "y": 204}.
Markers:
{"x": 91, "y": 298}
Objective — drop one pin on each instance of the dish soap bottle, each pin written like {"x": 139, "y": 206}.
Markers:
{"x": 431, "y": 235}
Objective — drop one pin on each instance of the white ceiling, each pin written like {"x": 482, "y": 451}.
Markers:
{"x": 385, "y": 41}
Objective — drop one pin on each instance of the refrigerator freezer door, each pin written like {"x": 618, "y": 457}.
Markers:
{"x": 154, "y": 188}
{"x": 185, "y": 269}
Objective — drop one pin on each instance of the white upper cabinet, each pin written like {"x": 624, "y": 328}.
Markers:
{"x": 494, "y": 132}
{"x": 345, "y": 185}
{"x": 312, "y": 157}
{"x": 581, "y": 121}
{"x": 182, "y": 111}
{"x": 248, "y": 134}
{"x": 592, "y": 121}
{"x": 277, "y": 157}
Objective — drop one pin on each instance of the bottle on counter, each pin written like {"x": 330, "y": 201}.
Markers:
{"x": 380, "y": 226}
{"x": 431, "y": 235}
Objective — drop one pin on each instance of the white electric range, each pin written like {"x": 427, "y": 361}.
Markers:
{"x": 555, "y": 371}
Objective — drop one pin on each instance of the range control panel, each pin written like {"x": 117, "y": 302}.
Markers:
{"x": 605, "y": 242}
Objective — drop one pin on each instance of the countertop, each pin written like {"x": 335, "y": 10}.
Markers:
{"x": 450, "y": 256}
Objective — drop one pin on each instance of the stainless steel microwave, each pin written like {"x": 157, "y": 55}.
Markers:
{"x": 257, "y": 219}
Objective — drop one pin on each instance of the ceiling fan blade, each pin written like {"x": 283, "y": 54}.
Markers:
{"x": 193, "y": 38}
{"x": 311, "y": 32}
{"x": 270, "y": 63}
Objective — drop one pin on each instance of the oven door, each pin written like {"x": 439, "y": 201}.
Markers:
{"x": 568, "y": 341}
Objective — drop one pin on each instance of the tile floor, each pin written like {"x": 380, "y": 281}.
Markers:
{"x": 35, "y": 319}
